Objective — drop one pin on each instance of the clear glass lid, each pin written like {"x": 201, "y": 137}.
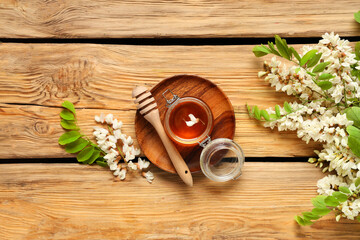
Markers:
{"x": 222, "y": 160}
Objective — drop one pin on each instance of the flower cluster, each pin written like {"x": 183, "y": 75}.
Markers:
{"x": 119, "y": 149}
{"x": 320, "y": 112}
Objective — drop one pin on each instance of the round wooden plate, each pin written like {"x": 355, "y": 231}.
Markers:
{"x": 185, "y": 85}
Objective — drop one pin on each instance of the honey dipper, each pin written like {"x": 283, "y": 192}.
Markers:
{"x": 148, "y": 108}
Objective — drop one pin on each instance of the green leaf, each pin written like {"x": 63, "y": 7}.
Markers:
{"x": 287, "y": 107}
{"x": 67, "y": 115}
{"x": 277, "y": 111}
{"x": 273, "y": 50}
{"x": 295, "y": 53}
{"x": 282, "y": 47}
{"x": 93, "y": 157}
{"x": 357, "y": 182}
{"x": 340, "y": 196}
{"x": 355, "y": 73}
{"x": 344, "y": 190}
{"x": 297, "y": 70}
{"x": 307, "y": 222}
{"x": 321, "y": 211}
{"x": 325, "y": 76}
{"x": 101, "y": 163}
{"x": 69, "y": 137}
{"x": 256, "y": 112}
{"x": 273, "y": 116}
{"x": 85, "y": 154}
{"x": 353, "y": 114}
{"x": 307, "y": 57}
{"x": 310, "y": 216}
{"x": 319, "y": 201}
{"x": 287, "y": 48}
{"x": 248, "y": 108}
{"x": 357, "y": 16}
{"x": 311, "y": 74}
{"x": 76, "y": 146}
{"x": 324, "y": 85}
{"x": 320, "y": 67}
{"x": 314, "y": 60}
{"x": 68, "y": 124}
{"x": 331, "y": 201}
{"x": 354, "y": 145}
{"x": 299, "y": 220}
{"x": 353, "y": 131}
{"x": 260, "y": 51}
{"x": 357, "y": 50}
{"x": 68, "y": 105}
{"x": 265, "y": 115}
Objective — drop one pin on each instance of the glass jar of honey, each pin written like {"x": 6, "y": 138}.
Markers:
{"x": 189, "y": 121}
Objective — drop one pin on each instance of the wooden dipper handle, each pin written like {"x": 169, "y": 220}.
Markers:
{"x": 150, "y": 112}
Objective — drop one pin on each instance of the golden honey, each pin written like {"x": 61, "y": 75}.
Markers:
{"x": 178, "y": 115}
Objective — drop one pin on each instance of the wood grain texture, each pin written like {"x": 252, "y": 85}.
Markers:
{"x": 100, "y": 78}
{"x": 185, "y": 86}
{"x": 195, "y": 18}
{"x": 71, "y": 201}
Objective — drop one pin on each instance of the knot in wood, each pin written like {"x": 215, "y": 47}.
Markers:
{"x": 41, "y": 127}
{"x": 72, "y": 78}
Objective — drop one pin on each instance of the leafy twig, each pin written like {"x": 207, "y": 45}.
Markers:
{"x": 76, "y": 142}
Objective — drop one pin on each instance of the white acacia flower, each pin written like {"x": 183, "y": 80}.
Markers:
{"x": 319, "y": 119}
{"x": 107, "y": 146}
{"x": 129, "y": 140}
{"x": 193, "y": 120}
{"x": 143, "y": 164}
{"x": 114, "y": 152}
{"x": 149, "y": 176}
{"x": 117, "y": 172}
{"x": 327, "y": 184}
{"x": 101, "y": 142}
{"x": 137, "y": 151}
{"x": 103, "y": 131}
{"x": 132, "y": 166}
{"x": 109, "y": 118}
{"x": 122, "y": 174}
{"x": 129, "y": 156}
{"x": 125, "y": 148}
{"x": 126, "y": 140}
{"x": 117, "y": 124}
{"x": 110, "y": 156}
{"x": 100, "y": 119}
{"x": 99, "y": 135}
{"x": 112, "y": 139}
{"x": 117, "y": 133}
{"x": 113, "y": 166}
{"x": 337, "y": 93}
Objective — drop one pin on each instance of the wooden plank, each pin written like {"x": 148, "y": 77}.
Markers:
{"x": 100, "y": 78}
{"x": 196, "y": 18}
{"x": 70, "y": 201}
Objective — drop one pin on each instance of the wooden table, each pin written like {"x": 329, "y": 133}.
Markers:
{"x": 93, "y": 53}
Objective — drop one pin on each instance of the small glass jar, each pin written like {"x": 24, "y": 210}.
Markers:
{"x": 221, "y": 159}
{"x": 177, "y": 118}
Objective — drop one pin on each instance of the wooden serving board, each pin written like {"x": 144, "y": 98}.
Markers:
{"x": 185, "y": 85}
